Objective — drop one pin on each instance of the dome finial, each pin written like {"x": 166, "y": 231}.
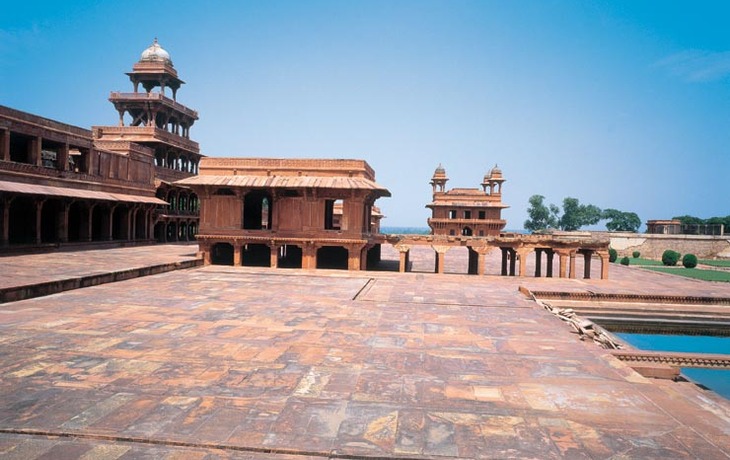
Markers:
{"x": 156, "y": 53}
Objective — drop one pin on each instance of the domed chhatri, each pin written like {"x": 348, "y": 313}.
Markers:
{"x": 439, "y": 179}
{"x": 155, "y": 53}
{"x": 495, "y": 172}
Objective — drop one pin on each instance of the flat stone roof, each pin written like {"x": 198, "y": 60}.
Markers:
{"x": 262, "y": 363}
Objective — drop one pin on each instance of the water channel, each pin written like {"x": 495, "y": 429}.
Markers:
{"x": 715, "y": 379}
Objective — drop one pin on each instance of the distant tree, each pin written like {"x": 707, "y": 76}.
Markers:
{"x": 720, "y": 220}
{"x": 541, "y": 215}
{"x": 619, "y": 221}
{"x": 689, "y": 220}
{"x": 576, "y": 215}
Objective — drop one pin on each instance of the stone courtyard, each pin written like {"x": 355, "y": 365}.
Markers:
{"x": 255, "y": 363}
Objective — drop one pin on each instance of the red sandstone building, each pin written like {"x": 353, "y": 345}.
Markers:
{"x": 288, "y": 212}
{"x": 162, "y": 124}
{"x": 467, "y": 211}
{"x": 61, "y": 184}
{"x": 136, "y": 182}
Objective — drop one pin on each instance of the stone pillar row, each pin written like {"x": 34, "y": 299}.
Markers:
{"x": 510, "y": 256}
{"x": 61, "y": 220}
{"x": 357, "y": 253}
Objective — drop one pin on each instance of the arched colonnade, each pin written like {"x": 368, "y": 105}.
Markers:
{"x": 38, "y": 219}
{"x": 289, "y": 253}
{"x": 547, "y": 256}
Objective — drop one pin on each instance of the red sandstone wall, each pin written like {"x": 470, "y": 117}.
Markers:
{"x": 652, "y": 246}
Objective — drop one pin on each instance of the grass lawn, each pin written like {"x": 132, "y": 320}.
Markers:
{"x": 696, "y": 273}
{"x": 714, "y": 263}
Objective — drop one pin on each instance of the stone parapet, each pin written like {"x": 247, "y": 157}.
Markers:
{"x": 652, "y": 246}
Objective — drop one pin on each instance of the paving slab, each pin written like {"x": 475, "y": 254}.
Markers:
{"x": 236, "y": 362}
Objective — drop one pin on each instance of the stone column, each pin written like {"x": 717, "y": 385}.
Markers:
{"x": 538, "y": 262}
{"x": 89, "y": 235}
{"x": 5, "y": 144}
{"x": 563, "y": 264}
{"x": 205, "y": 249}
{"x": 550, "y": 255}
{"x": 587, "y": 255}
{"x": 38, "y": 219}
{"x": 353, "y": 258}
{"x": 523, "y": 253}
{"x": 572, "y": 265}
{"x": 440, "y": 257}
{"x": 274, "y": 257}
{"x": 34, "y": 151}
{"x": 129, "y": 223}
{"x": 92, "y": 161}
{"x": 482, "y": 259}
{"x": 504, "y": 261}
{"x": 237, "y": 254}
{"x": 108, "y": 229}
{"x": 62, "y": 222}
{"x": 309, "y": 255}
{"x": 404, "y": 256}
{"x": 364, "y": 258}
{"x": 150, "y": 222}
{"x": 132, "y": 213}
{"x": 512, "y": 261}
{"x": 604, "y": 264}
{"x": 63, "y": 158}
{"x": 5, "y": 236}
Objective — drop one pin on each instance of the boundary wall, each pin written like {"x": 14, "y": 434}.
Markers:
{"x": 651, "y": 246}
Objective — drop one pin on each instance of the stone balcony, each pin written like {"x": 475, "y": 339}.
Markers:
{"x": 142, "y": 134}
{"x": 117, "y": 96}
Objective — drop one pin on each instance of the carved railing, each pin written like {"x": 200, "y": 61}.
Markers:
{"x": 26, "y": 168}
{"x": 52, "y": 125}
{"x": 150, "y": 132}
{"x": 675, "y": 359}
{"x": 119, "y": 96}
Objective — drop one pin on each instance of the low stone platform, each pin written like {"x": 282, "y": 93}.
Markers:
{"x": 35, "y": 275}
{"x": 234, "y": 362}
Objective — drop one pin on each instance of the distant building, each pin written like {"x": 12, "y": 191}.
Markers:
{"x": 676, "y": 227}
{"x": 467, "y": 211}
{"x": 299, "y": 213}
{"x": 61, "y": 184}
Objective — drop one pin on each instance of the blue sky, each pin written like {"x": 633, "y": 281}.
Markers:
{"x": 621, "y": 104}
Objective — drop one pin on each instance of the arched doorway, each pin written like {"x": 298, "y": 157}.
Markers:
{"x": 50, "y": 221}
{"x": 78, "y": 221}
{"x": 22, "y": 221}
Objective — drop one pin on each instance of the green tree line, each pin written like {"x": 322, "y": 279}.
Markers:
{"x": 576, "y": 215}
{"x": 692, "y": 220}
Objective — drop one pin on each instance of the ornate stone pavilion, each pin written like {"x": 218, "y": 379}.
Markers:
{"x": 159, "y": 122}
{"x": 471, "y": 218}
{"x": 467, "y": 211}
{"x": 288, "y": 212}
{"x": 61, "y": 184}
